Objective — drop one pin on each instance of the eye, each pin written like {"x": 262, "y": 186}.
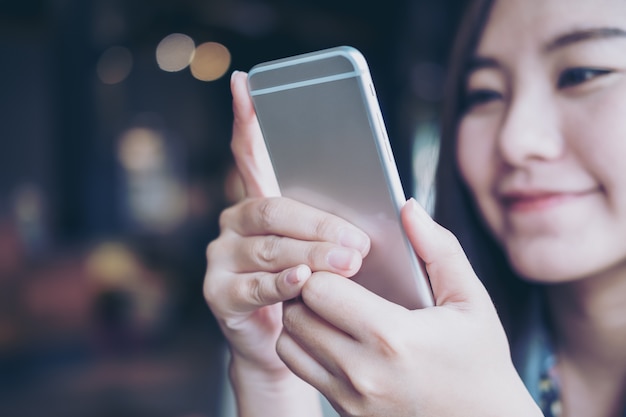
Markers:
{"x": 478, "y": 98}
{"x": 575, "y": 76}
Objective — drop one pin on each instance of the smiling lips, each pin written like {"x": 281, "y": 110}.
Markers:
{"x": 528, "y": 201}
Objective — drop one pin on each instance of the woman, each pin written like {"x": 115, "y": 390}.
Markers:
{"x": 532, "y": 148}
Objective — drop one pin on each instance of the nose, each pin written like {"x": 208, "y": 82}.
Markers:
{"x": 530, "y": 130}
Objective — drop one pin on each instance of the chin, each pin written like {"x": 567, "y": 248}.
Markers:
{"x": 548, "y": 275}
{"x": 548, "y": 267}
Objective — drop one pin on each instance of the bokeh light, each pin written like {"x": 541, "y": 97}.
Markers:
{"x": 112, "y": 264}
{"x": 141, "y": 149}
{"x": 114, "y": 65}
{"x": 175, "y": 52}
{"x": 210, "y": 61}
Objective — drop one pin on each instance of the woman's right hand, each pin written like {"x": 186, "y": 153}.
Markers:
{"x": 267, "y": 247}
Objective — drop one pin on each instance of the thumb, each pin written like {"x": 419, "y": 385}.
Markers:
{"x": 451, "y": 276}
{"x": 251, "y": 156}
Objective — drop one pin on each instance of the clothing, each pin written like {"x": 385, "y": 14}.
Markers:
{"x": 535, "y": 360}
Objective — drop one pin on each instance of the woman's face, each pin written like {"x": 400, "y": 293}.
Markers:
{"x": 542, "y": 142}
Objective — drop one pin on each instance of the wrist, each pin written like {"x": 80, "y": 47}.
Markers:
{"x": 262, "y": 391}
{"x": 525, "y": 405}
{"x": 242, "y": 369}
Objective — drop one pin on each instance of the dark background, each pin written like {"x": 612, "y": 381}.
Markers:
{"x": 101, "y": 268}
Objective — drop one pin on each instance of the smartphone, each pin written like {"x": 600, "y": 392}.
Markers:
{"x": 327, "y": 141}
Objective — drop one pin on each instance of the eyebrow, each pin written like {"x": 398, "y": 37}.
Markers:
{"x": 479, "y": 62}
{"x": 584, "y": 35}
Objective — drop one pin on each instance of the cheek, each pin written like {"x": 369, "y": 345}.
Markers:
{"x": 475, "y": 155}
{"x": 597, "y": 133}
{"x": 477, "y": 159}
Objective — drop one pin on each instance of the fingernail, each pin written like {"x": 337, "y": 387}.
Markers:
{"x": 354, "y": 239}
{"x": 343, "y": 259}
{"x": 232, "y": 76}
{"x": 298, "y": 274}
{"x": 416, "y": 208}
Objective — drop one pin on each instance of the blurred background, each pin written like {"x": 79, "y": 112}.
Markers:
{"x": 115, "y": 121}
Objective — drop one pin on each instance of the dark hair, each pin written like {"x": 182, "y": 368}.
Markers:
{"x": 455, "y": 208}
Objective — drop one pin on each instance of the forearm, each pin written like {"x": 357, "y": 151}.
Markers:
{"x": 511, "y": 398}
{"x": 260, "y": 393}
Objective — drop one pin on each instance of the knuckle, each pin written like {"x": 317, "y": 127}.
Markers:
{"x": 235, "y": 293}
{"x": 221, "y": 251}
{"x": 291, "y": 315}
{"x": 212, "y": 250}
{"x": 258, "y": 290}
{"x": 388, "y": 344}
{"x": 225, "y": 218}
{"x": 250, "y": 291}
{"x": 267, "y": 249}
{"x": 288, "y": 316}
{"x": 236, "y": 217}
{"x": 323, "y": 225}
{"x": 369, "y": 388}
{"x": 211, "y": 278}
{"x": 366, "y": 385}
{"x": 269, "y": 213}
{"x": 315, "y": 254}
{"x": 210, "y": 288}
{"x": 216, "y": 277}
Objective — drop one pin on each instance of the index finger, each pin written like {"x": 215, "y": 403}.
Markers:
{"x": 336, "y": 299}
{"x": 251, "y": 156}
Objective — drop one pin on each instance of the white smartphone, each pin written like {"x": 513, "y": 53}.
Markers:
{"x": 328, "y": 144}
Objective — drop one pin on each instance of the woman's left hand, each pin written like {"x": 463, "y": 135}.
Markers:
{"x": 371, "y": 357}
